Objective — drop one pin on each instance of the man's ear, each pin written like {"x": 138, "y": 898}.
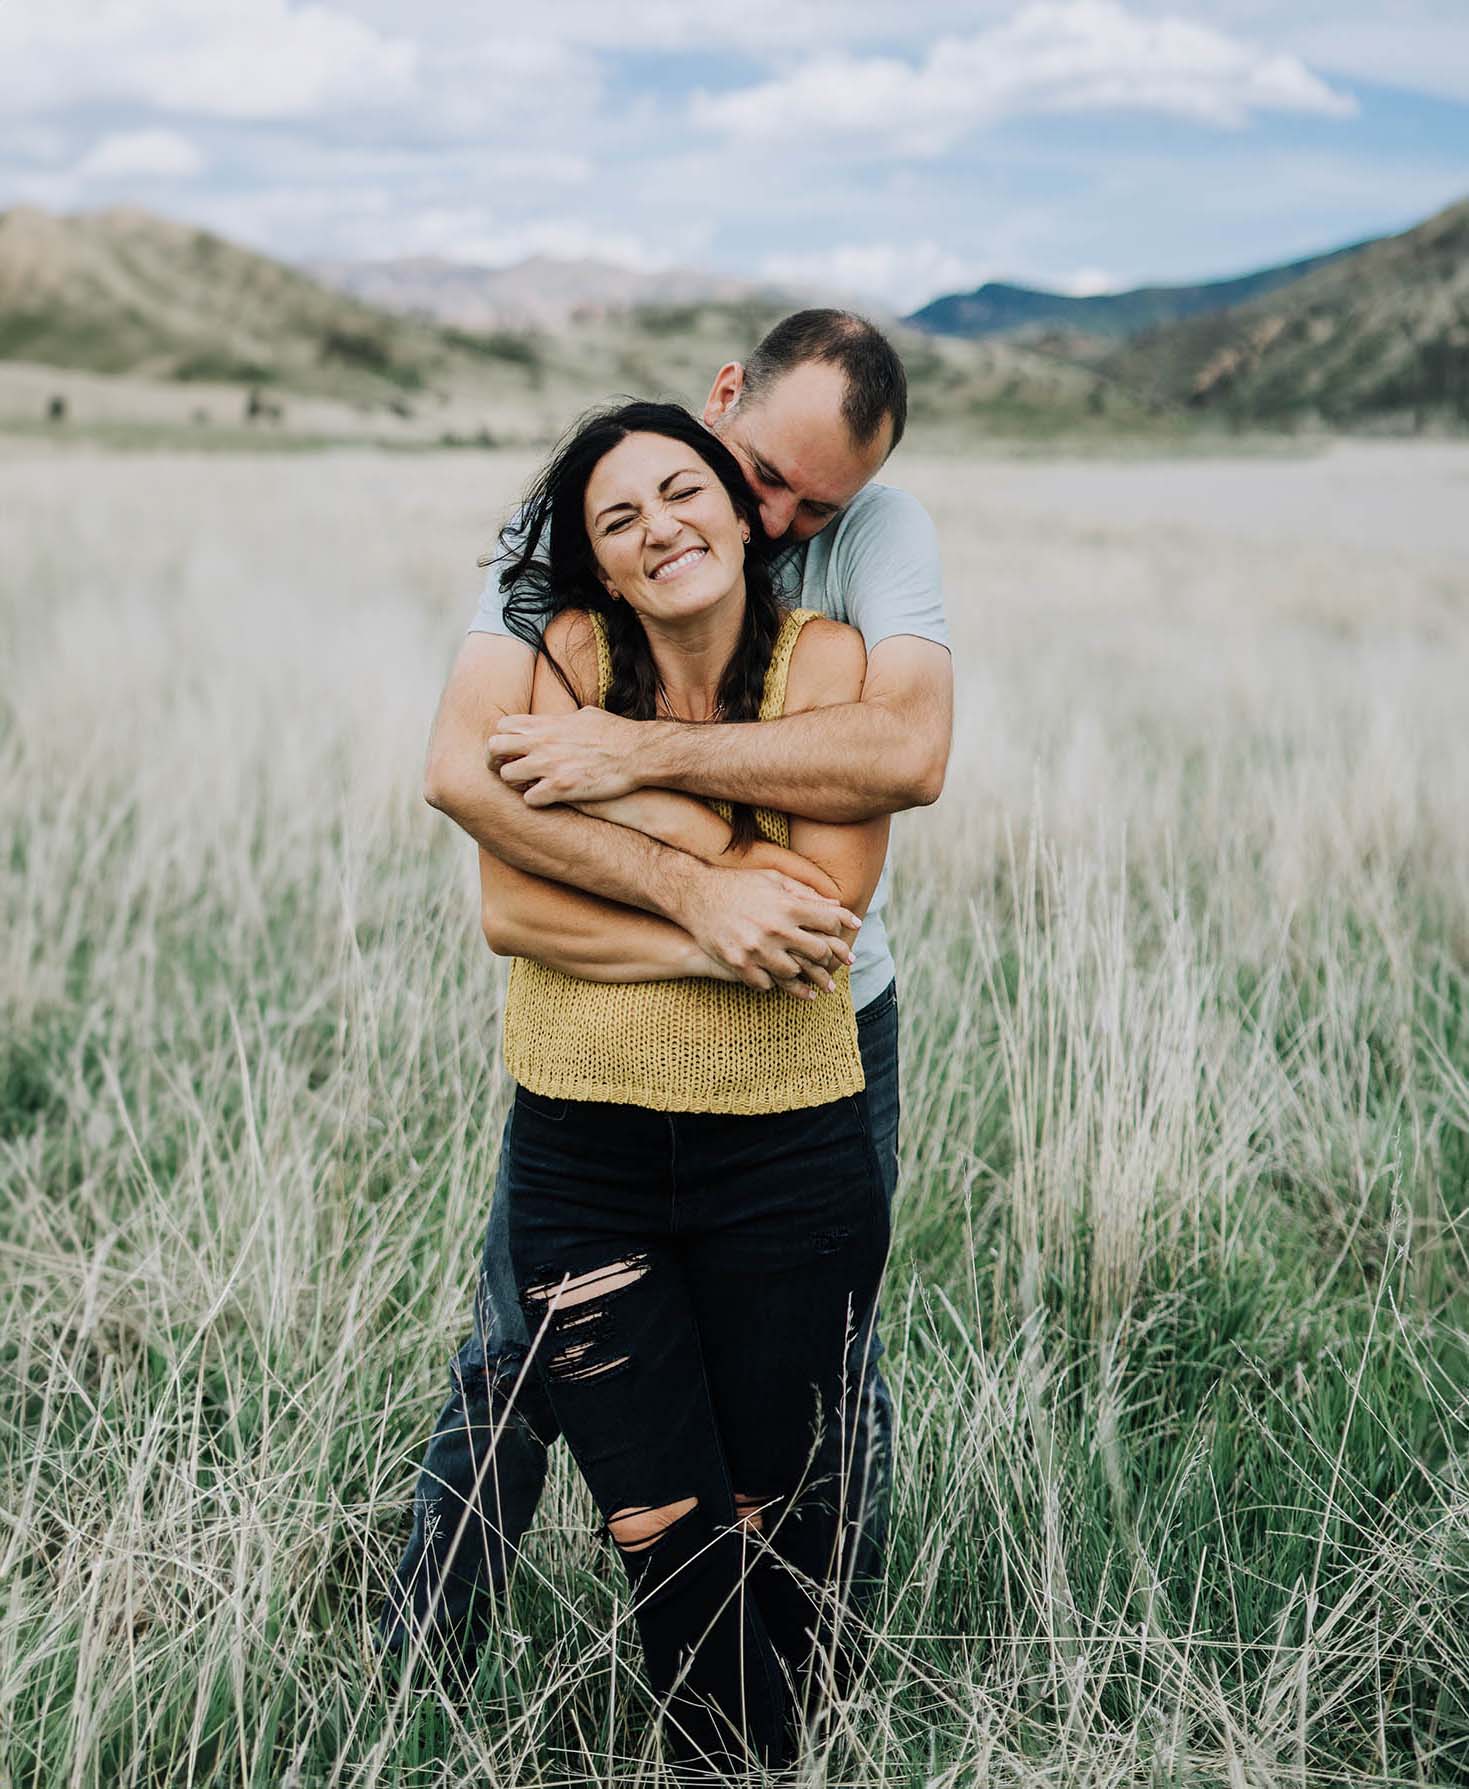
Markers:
{"x": 724, "y": 393}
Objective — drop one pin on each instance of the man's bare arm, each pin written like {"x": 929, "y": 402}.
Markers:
{"x": 524, "y": 916}
{"x": 759, "y": 924}
{"x": 568, "y": 929}
{"x": 491, "y": 675}
{"x": 852, "y": 762}
{"x": 692, "y": 825}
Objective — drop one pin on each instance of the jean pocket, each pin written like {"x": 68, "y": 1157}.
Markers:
{"x": 857, "y": 1106}
{"x": 552, "y": 1110}
{"x": 878, "y": 1185}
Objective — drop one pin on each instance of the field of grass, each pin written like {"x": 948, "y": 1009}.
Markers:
{"x": 1178, "y": 1313}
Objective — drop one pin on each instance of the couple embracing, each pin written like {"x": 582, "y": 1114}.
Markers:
{"x": 709, "y": 662}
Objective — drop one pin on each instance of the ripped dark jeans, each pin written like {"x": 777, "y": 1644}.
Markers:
{"x": 485, "y": 1464}
{"x": 691, "y": 1282}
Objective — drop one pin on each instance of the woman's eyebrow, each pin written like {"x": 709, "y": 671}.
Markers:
{"x": 663, "y": 484}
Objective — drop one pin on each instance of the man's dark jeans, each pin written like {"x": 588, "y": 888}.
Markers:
{"x": 485, "y": 1465}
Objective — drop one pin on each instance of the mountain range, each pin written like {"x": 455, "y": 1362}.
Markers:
{"x": 1373, "y": 335}
{"x": 999, "y": 309}
{"x": 543, "y": 292}
{"x": 122, "y": 292}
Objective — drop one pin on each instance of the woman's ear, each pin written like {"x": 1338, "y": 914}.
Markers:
{"x": 609, "y": 586}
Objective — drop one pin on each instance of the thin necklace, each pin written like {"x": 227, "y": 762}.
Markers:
{"x": 660, "y": 699}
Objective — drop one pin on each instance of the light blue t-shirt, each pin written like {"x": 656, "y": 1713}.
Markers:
{"x": 876, "y": 565}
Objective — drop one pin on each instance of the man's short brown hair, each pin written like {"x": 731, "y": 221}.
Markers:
{"x": 877, "y": 386}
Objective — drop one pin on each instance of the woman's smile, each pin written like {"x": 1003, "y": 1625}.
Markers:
{"x": 670, "y": 568}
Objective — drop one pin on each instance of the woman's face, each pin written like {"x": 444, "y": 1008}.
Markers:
{"x": 665, "y": 534}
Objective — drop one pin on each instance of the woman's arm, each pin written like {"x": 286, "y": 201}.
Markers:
{"x": 842, "y": 860}
{"x": 691, "y": 825}
{"x": 525, "y": 915}
{"x": 528, "y": 916}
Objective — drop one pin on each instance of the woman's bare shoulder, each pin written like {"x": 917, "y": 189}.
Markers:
{"x": 828, "y": 665}
{"x": 571, "y": 639}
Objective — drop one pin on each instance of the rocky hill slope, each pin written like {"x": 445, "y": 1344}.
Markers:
{"x": 123, "y": 290}
{"x": 1379, "y": 339}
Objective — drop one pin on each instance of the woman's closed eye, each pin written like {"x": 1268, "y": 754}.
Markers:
{"x": 676, "y": 497}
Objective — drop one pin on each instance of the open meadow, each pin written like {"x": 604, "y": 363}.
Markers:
{"x": 1177, "y": 1318}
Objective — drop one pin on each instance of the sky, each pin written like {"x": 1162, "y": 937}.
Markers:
{"x": 893, "y": 149}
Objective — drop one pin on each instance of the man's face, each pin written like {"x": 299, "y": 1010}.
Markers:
{"x": 794, "y": 446}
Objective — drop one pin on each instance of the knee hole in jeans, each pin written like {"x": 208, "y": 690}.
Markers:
{"x": 750, "y": 1511}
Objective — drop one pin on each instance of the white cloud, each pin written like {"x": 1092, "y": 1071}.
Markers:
{"x": 901, "y": 275}
{"x": 264, "y": 60}
{"x": 1053, "y": 56}
{"x": 364, "y": 222}
{"x": 1419, "y": 45}
{"x": 156, "y": 154}
{"x": 1087, "y": 282}
{"x": 658, "y": 26}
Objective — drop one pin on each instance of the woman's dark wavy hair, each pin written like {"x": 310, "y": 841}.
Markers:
{"x": 550, "y": 567}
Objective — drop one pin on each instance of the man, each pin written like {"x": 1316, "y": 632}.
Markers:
{"x": 811, "y": 417}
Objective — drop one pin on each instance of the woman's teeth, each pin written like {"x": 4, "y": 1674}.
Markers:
{"x": 682, "y": 563}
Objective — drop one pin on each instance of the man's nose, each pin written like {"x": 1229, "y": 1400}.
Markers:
{"x": 777, "y": 513}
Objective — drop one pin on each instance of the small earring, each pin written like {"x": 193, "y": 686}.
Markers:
{"x": 745, "y": 535}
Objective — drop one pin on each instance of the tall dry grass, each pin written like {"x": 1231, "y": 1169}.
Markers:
{"x": 1177, "y": 1315}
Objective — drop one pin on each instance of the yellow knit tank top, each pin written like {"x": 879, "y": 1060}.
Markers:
{"x": 690, "y": 1044}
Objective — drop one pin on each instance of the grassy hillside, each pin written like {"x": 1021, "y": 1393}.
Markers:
{"x": 181, "y": 316}
{"x": 124, "y": 291}
{"x": 1383, "y": 337}
{"x": 957, "y": 390}
{"x": 1000, "y": 309}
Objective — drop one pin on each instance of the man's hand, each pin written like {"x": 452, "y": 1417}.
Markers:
{"x": 769, "y": 930}
{"x": 590, "y": 755}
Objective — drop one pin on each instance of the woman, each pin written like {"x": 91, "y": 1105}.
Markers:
{"x": 697, "y": 1218}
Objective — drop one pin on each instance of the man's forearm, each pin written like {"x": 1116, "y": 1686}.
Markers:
{"x": 832, "y": 760}
{"x": 565, "y": 846}
{"x": 851, "y": 762}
